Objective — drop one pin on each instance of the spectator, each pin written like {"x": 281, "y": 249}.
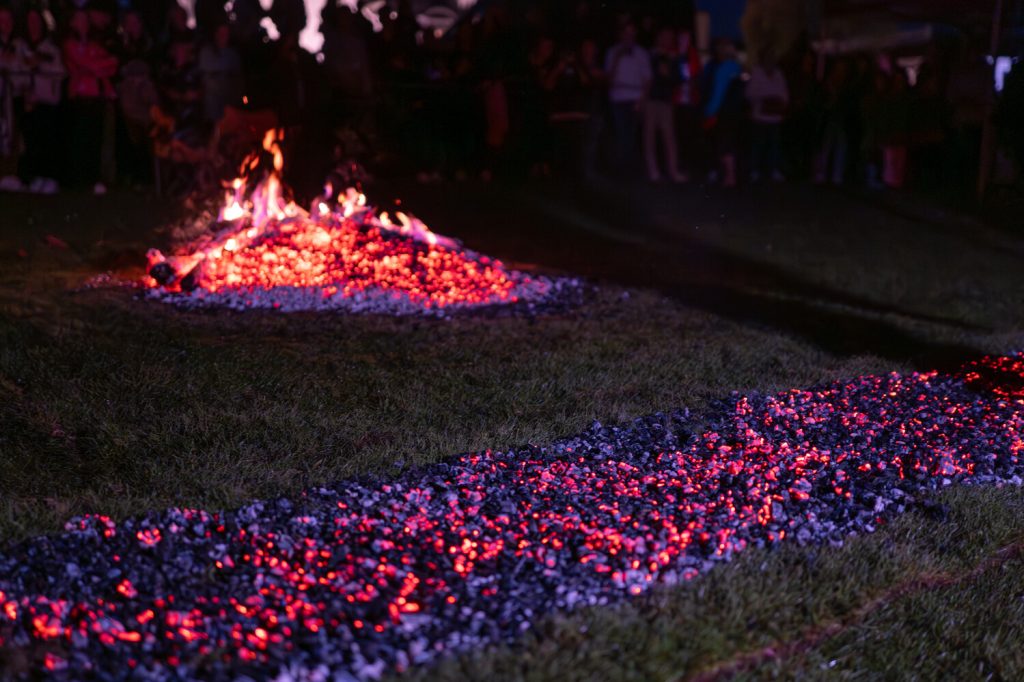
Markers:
{"x": 872, "y": 114}
{"x": 837, "y": 105}
{"x": 895, "y": 130}
{"x": 687, "y": 101}
{"x": 181, "y": 89}
{"x": 221, "y": 71}
{"x": 176, "y": 28}
{"x": 135, "y": 42}
{"x": 769, "y": 99}
{"x": 659, "y": 111}
{"x": 594, "y": 81}
{"x": 347, "y": 64}
{"x": 629, "y": 76}
{"x": 724, "y": 107}
{"x": 41, "y": 163}
{"x": 136, "y": 96}
{"x": 210, "y": 16}
{"x": 929, "y": 112}
{"x": 12, "y": 84}
{"x": 90, "y": 70}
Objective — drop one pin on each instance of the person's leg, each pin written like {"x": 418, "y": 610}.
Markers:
{"x": 900, "y": 165}
{"x": 839, "y": 158}
{"x": 757, "y": 150}
{"x": 821, "y": 159}
{"x": 668, "y": 126}
{"x": 774, "y": 133}
{"x": 632, "y": 138}
{"x": 28, "y": 164}
{"x": 620, "y": 133}
{"x": 651, "y": 122}
{"x": 592, "y": 142}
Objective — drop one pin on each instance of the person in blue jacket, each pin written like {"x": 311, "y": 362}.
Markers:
{"x": 723, "y": 106}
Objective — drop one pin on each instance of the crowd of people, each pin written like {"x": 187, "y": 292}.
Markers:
{"x": 92, "y": 91}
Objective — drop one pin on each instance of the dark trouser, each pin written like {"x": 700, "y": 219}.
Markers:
{"x": 766, "y": 151}
{"x": 87, "y": 118}
{"x": 626, "y": 126}
{"x": 134, "y": 160}
{"x": 42, "y": 158}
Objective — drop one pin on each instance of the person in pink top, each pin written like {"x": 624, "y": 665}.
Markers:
{"x": 90, "y": 69}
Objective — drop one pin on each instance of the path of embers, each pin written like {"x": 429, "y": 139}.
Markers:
{"x": 373, "y": 575}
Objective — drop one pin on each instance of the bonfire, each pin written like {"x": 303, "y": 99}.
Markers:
{"x": 265, "y": 251}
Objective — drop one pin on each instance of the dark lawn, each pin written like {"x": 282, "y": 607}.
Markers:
{"x": 114, "y": 405}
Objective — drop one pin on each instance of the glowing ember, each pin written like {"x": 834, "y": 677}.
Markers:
{"x": 342, "y": 254}
{"x": 371, "y": 576}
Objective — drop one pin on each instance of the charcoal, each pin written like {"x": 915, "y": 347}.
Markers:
{"x": 163, "y": 273}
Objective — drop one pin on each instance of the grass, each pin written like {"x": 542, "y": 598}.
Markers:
{"x": 114, "y": 405}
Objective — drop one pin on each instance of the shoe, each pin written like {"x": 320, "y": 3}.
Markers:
{"x": 11, "y": 183}
{"x": 99, "y": 189}
{"x": 778, "y": 177}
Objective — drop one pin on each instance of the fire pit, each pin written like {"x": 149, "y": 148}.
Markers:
{"x": 265, "y": 251}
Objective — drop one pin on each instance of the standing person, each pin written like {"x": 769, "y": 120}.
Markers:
{"x": 687, "y": 102}
{"x": 837, "y": 109}
{"x": 629, "y": 76}
{"x": 724, "y": 106}
{"x": 41, "y": 163}
{"x": 12, "y": 85}
{"x": 768, "y": 95}
{"x": 90, "y": 67}
{"x": 221, "y": 70}
{"x": 659, "y": 110}
{"x": 136, "y": 96}
{"x": 895, "y": 130}
{"x": 594, "y": 81}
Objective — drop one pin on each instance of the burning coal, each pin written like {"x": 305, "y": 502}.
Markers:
{"x": 265, "y": 251}
{"x": 375, "y": 575}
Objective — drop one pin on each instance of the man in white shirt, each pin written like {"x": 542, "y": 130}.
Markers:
{"x": 629, "y": 76}
{"x": 769, "y": 99}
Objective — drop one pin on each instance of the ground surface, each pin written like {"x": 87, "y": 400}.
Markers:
{"x": 114, "y": 405}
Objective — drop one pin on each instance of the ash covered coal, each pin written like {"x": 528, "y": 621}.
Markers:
{"x": 374, "y": 575}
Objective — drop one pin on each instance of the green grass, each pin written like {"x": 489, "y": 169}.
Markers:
{"x": 114, "y": 405}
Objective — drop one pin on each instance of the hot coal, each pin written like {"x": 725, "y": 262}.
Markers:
{"x": 372, "y": 575}
{"x": 264, "y": 251}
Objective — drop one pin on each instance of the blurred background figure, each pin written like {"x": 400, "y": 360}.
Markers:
{"x": 768, "y": 95}
{"x": 220, "y": 68}
{"x": 91, "y": 68}
{"x": 838, "y": 106}
{"x": 659, "y": 110}
{"x": 629, "y": 76}
{"x": 723, "y": 110}
{"x": 41, "y": 163}
{"x": 12, "y": 86}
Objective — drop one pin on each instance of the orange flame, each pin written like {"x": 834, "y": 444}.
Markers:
{"x": 266, "y": 240}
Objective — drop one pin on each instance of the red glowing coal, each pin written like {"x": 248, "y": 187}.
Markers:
{"x": 266, "y": 251}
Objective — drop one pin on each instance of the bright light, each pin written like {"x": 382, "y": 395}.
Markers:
{"x": 270, "y": 27}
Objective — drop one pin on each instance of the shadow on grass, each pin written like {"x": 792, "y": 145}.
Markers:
{"x": 615, "y": 236}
